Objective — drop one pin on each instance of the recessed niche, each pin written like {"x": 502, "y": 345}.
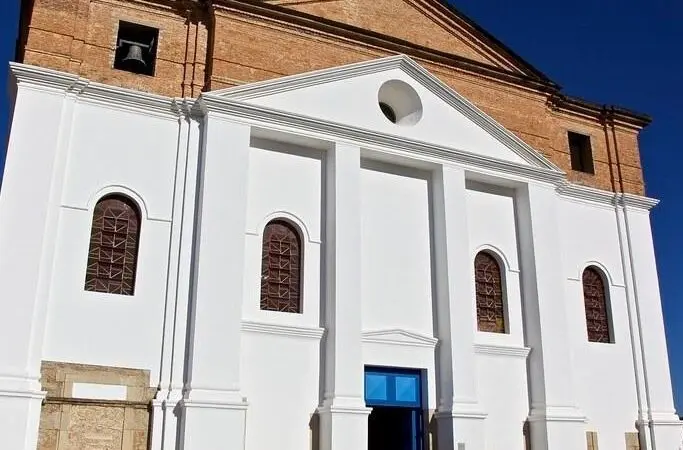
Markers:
{"x": 400, "y": 103}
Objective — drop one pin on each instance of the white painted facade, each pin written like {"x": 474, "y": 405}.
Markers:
{"x": 391, "y": 217}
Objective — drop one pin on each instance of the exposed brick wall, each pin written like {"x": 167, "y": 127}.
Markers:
{"x": 404, "y": 19}
{"x": 79, "y": 36}
{"x": 211, "y": 47}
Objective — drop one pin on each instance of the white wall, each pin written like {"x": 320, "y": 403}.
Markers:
{"x": 281, "y": 380}
{"x": 604, "y": 373}
{"x": 113, "y": 151}
{"x": 396, "y": 286}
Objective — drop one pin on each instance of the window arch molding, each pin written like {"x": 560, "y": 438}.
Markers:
{"x": 499, "y": 255}
{"x": 113, "y": 190}
{"x": 503, "y": 267}
{"x": 114, "y": 244}
{"x": 287, "y": 268}
{"x": 606, "y": 297}
{"x": 304, "y": 231}
{"x": 600, "y": 267}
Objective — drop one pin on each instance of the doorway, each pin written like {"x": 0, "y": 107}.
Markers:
{"x": 396, "y": 421}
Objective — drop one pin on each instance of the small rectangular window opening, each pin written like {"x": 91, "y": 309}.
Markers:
{"x": 581, "y": 152}
{"x": 136, "y": 48}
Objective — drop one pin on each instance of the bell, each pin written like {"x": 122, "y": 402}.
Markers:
{"x": 134, "y": 57}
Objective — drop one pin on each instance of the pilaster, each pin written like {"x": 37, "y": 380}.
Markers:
{"x": 343, "y": 415}
{"x": 660, "y": 428}
{"x": 29, "y": 216}
{"x": 555, "y": 421}
{"x": 165, "y": 422}
{"x": 213, "y": 399}
{"x": 461, "y": 420}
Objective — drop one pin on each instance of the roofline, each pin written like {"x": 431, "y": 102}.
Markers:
{"x": 540, "y": 82}
{"x": 602, "y": 111}
{"x": 497, "y": 44}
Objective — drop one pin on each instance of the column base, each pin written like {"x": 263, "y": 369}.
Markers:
{"x": 165, "y": 420}
{"x": 557, "y": 428}
{"x": 666, "y": 431}
{"x": 209, "y": 425}
{"x": 20, "y": 412}
{"x": 344, "y": 427}
{"x": 461, "y": 428}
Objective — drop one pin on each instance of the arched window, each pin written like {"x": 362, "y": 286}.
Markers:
{"x": 489, "y": 291}
{"x": 595, "y": 302}
{"x": 113, "y": 254}
{"x": 281, "y": 268}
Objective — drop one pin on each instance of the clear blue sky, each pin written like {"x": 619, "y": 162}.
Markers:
{"x": 626, "y": 52}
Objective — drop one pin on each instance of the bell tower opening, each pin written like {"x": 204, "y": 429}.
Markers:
{"x": 136, "y": 48}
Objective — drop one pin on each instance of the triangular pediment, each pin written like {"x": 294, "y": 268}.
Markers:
{"x": 350, "y": 96}
{"x": 432, "y": 24}
{"x": 399, "y": 336}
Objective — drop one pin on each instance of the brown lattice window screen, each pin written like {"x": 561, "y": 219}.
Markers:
{"x": 281, "y": 268}
{"x": 595, "y": 300}
{"x": 489, "y": 290}
{"x": 113, "y": 254}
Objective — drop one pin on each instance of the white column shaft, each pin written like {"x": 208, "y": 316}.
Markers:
{"x": 215, "y": 401}
{"x": 343, "y": 414}
{"x": 459, "y": 410}
{"x": 555, "y": 420}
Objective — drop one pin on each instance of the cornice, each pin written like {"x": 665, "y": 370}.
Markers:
{"x": 371, "y": 140}
{"x": 421, "y": 75}
{"x": 617, "y": 114}
{"x": 502, "y": 350}
{"x": 47, "y": 78}
{"x": 608, "y": 198}
{"x": 111, "y": 96}
{"x": 586, "y": 194}
{"x": 129, "y": 99}
{"x": 283, "y": 330}
{"x": 637, "y": 201}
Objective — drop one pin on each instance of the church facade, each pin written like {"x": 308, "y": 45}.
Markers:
{"x": 318, "y": 225}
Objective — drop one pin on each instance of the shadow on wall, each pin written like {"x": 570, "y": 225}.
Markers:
{"x": 314, "y": 426}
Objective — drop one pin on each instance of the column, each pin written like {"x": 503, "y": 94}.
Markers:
{"x": 664, "y": 426}
{"x": 555, "y": 421}
{"x": 214, "y": 410}
{"x": 29, "y": 215}
{"x": 460, "y": 418}
{"x": 343, "y": 415}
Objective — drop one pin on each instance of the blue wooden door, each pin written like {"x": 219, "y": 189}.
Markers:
{"x": 396, "y": 394}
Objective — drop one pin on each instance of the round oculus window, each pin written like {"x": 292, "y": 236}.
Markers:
{"x": 399, "y": 103}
